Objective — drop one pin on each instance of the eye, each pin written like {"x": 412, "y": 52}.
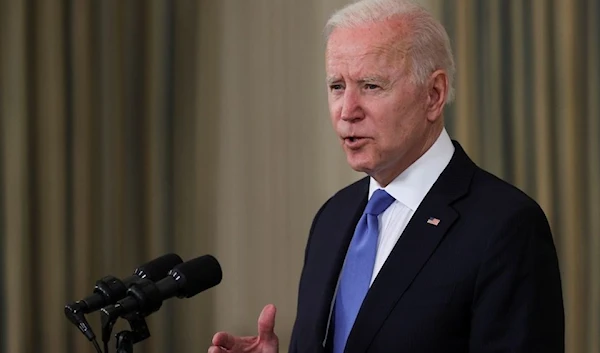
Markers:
{"x": 371, "y": 86}
{"x": 336, "y": 87}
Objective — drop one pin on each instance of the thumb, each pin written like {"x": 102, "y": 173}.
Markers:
{"x": 266, "y": 323}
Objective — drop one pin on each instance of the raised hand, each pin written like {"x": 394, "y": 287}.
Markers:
{"x": 266, "y": 341}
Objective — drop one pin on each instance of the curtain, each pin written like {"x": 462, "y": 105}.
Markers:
{"x": 130, "y": 129}
{"x": 100, "y": 114}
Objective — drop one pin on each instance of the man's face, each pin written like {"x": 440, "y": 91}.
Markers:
{"x": 378, "y": 114}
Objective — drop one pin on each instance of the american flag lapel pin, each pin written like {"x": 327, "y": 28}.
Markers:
{"x": 433, "y": 221}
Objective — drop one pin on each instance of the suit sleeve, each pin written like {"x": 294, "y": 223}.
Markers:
{"x": 518, "y": 304}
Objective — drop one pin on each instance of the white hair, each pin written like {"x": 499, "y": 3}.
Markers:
{"x": 428, "y": 47}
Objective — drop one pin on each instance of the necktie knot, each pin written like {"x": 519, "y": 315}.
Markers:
{"x": 379, "y": 202}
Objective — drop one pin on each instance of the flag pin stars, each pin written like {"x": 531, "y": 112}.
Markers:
{"x": 433, "y": 221}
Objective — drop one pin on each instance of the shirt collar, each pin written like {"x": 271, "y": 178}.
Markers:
{"x": 411, "y": 186}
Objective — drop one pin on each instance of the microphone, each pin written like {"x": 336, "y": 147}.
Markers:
{"x": 184, "y": 281}
{"x": 109, "y": 290}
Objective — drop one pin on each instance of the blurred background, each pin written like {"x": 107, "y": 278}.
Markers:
{"x": 133, "y": 128}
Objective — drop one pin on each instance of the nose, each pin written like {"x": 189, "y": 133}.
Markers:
{"x": 351, "y": 107}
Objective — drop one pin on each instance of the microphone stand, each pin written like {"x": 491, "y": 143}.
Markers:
{"x": 124, "y": 342}
{"x": 139, "y": 332}
{"x": 126, "y": 339}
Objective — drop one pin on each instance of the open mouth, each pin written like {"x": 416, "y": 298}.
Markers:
{"x": 354, "y": 138}
{"x": 354, "y": 141}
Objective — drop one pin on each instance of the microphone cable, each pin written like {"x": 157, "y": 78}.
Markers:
{"x": 95, "y": 343}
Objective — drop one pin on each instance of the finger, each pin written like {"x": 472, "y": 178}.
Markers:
{"x": 223, "y": 339}
{"x": 213, "y": 349}
{"x": 266, "y": 323}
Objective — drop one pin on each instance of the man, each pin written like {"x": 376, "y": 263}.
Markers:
{"x": 429, "y": 253}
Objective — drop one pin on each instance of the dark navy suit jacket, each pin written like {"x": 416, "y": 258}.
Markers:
{"x": 485, "y": 279}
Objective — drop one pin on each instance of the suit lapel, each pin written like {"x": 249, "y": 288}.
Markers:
{"x": 329, "y": 244}
{"x": 416, "y": 245}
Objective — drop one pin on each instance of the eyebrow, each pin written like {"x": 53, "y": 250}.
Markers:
{"x": 333, "y": 79}
{"x": 377, "y": 79}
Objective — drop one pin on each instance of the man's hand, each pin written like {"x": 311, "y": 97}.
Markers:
{"x": 265, "y": 342}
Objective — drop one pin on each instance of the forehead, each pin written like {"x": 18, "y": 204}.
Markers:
{"x": 371, "y": 47}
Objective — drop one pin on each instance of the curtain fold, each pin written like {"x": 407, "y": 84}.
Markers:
{"x": 592, "y": 184}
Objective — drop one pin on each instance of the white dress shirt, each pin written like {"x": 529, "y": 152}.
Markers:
{"x": 409, "y": 189}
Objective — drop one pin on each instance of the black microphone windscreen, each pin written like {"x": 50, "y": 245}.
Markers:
{"x": 197, "y": 275}
{"x": 158, "y": 268}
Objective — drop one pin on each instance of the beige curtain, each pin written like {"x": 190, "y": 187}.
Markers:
{"x": 135, "y": 128}
{"x": 129, "y": 129}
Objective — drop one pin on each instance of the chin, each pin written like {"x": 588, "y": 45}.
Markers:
{"x": 359, "y": 164}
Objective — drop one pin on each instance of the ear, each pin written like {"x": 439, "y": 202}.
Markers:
{"x": 437, "y": 93}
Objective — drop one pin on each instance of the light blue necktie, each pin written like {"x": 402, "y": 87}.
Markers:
{"x": 358, "y": 268}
